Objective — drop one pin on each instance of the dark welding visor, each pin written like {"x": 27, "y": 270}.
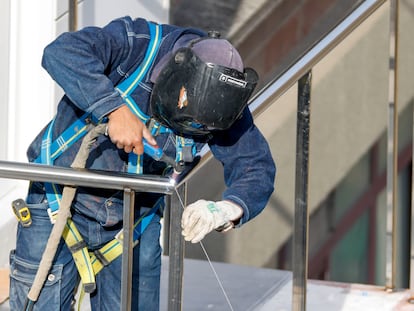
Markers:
{"x": 193, "y": 97}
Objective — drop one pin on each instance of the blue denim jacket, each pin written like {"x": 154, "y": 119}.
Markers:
{"x": 87, "y": 64}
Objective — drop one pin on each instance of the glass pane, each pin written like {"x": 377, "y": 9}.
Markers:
{"x": 348, "y": 261}
{"x": 352, "y": 186}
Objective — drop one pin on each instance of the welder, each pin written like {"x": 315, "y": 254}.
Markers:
{"x": 154, "y": 87}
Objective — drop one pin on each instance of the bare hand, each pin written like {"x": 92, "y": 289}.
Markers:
{"x": 126, "y": 131}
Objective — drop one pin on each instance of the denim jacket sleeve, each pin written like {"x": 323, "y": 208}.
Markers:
{"x": 81, "y": 61}
{"x": 249, "y": 169}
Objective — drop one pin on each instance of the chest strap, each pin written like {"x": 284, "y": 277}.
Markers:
{"x": 52, "y": 150}
{"x": 128, "y": 86}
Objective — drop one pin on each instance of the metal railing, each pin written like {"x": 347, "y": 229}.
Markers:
{"x": 301, "y": 73}
{"x": 104, "y": 180}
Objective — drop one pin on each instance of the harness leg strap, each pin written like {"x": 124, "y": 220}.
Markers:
{"x": 79, "y": 250}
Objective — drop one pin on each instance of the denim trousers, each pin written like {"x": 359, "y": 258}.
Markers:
{"x": 62, "y": 280}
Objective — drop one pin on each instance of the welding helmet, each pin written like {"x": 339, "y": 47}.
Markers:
{"x": 202, "y": 87}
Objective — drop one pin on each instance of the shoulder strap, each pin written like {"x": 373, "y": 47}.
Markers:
{"x": 53, "y": 149}
{"x": 126, "y": 87}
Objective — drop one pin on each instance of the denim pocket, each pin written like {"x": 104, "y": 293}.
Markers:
{"x": 31, "y": 240}
{"x": 111, "y": 212}
{"x": 22, "y": 274}
{"x": 101, "y": 205}
{"x": 24, "y": 262}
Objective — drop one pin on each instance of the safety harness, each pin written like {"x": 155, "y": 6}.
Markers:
{"x": 90, "y": 263}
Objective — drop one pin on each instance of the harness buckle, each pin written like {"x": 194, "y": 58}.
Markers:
{"x": 188, "y": 155}
{"x": 52, "y": 215}
{"x": 22, "y": 212}
{"x": 99, "y": 256}
{"x": 120, "y": 237}
{"x": 153, "y": 126}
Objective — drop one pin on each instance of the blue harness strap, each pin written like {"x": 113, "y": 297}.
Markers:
{"x": 52, "y": 150}
{"x": 126, "y": 87}
{"x": 185, "y": 149}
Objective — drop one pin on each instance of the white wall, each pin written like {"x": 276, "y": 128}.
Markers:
{"x": 30, "y": 89}
{"x": 100, "y": 12}
{"x": 4, "y": 72}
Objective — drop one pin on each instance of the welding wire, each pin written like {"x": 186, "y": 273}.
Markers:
{"x": 210, "y": 262}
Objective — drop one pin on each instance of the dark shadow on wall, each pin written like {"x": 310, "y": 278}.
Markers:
{"x": 409, "y": 5}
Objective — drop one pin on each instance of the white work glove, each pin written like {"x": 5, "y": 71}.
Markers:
{"x": 202, "y": 217}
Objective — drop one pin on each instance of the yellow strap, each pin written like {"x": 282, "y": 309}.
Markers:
{"x": 109, "y": 251}
{"x": 87, "y": 262}
{"x": 80, "y": 255}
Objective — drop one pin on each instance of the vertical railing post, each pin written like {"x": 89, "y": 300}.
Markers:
{"x": 127, "y": 249}
{"x": 176, "y": 250}
{"x": 392, "y": 152}
{"x": 301, "y": 217}
{"x": 73, "y": 15}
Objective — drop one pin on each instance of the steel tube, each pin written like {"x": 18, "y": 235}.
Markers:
{"x": 176, "y": 251}
{"x": 85, "y": 178}
{"x": 127, "y": 249}
{"x": 392, "y": 152}
{"x": 301, "y": 224}
{"x": 73, "y": 15}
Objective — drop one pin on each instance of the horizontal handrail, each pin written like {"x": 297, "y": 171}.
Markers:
{"x": 85, "y": 177}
